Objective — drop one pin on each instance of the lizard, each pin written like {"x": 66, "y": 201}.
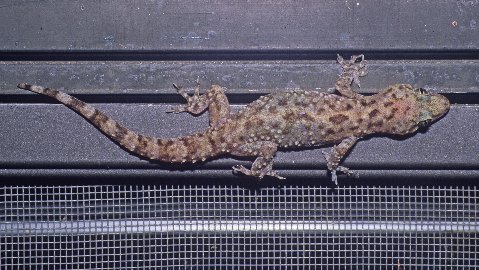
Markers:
{"x": 279, "y": 121}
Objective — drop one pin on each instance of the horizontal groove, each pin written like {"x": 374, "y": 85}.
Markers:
{"x": 230, "y": 54}
{"x": 236, "y": 226}
{"x": 319, "y": 177}
{"x": 243, "y": 98}
{"x": 221, "y": 163}
{"x": 162, "y": 168}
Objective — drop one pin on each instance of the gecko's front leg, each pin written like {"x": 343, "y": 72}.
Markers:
{"x": 214, "y": 99}
{"x": 334, "y": 157}
{"x": 352, "y": 70}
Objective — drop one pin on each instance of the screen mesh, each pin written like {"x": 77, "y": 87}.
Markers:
{"x": 231, "y": 227}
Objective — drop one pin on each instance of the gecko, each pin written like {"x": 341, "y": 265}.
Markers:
{"x": 279, "y": 121}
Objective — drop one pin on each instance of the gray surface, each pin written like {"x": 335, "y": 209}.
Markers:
{"x": 240, "y": 77}
{"x": 236, "y": 25}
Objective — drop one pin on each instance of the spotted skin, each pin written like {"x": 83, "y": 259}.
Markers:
{"x": 286, "y": 120}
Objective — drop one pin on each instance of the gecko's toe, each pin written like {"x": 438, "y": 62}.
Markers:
{"x": 356, "y": 66}
{"x": 356, "y": 79}
{"x": 241, "y": 169}
{"x": 273, "y": 174}
{"x": 177, "y": 109}
{"x": 354, "y": 58}
{"x": 334, "y": 177}
{"x": 340, "y": 59}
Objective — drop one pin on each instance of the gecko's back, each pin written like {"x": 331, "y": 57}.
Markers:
{"x": 309, "y": 118}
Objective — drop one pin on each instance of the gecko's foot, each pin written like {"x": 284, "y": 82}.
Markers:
{"x": 346, "y": 171}
{"x": 353, "y": 67}
{"x": 178, "y": 109}
{"x": 195, "y": 103}
{"x": 333, "y": 167}
{"x": 258, "y": 174}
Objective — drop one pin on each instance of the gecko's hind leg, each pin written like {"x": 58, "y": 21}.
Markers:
{"x": 334, "y": 157}
{"x": 263, "y": 165}
{"x": 214, "y": 99}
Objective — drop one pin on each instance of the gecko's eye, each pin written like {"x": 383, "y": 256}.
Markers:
{"x": 423, "y": 91}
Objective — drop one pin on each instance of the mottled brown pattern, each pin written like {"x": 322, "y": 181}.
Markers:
{"x": 289, "y": 116}
{"x": 320, "y": 111}
{"x": 307, "y": 119}
{"x": 77, "y": 103}
{"x": 378, "y": 123}
{"x": 331, "y": 106}
{"x": 142, "y": 145}
{"x": 389, "y": 116}
{"x": 338, "y": 119}
{"x": 120, "y": 132}
{"x": 277, "y": 121}
{"x": 273, "y": 110}
{"x": 373, "y": 113}
{"x": 54, "y": 93}
{"x": 99, "y": 117}
{"x": 142, "y": 141}
{"x": 388, "y": 103}
{"x": 283, "y": 101}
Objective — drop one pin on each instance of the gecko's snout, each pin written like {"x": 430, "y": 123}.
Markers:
{"x": 438, "y": 105}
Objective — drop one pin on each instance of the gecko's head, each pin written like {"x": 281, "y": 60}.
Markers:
{"x": 434, "y": 106}
{"x": 413, "y": 108}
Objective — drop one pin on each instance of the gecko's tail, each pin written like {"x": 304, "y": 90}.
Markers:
{"x": 185, "y": 149}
